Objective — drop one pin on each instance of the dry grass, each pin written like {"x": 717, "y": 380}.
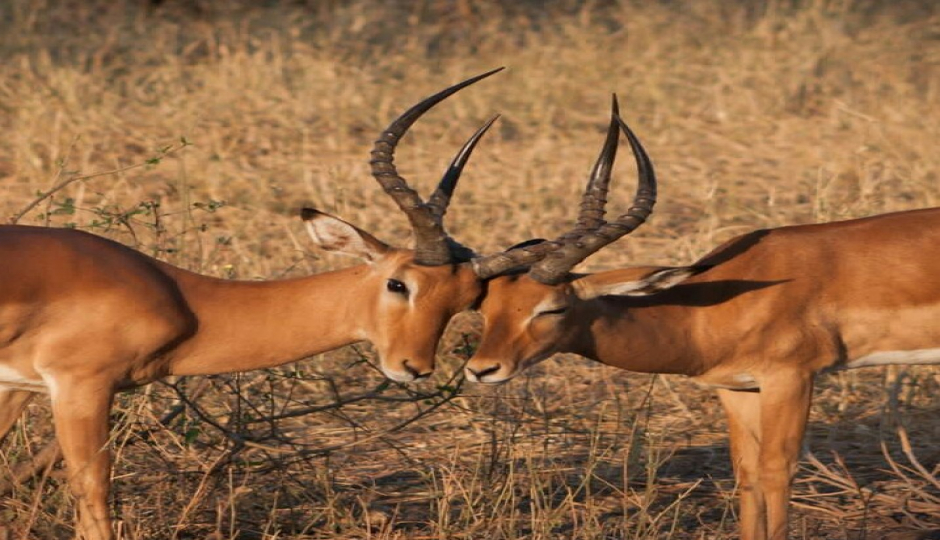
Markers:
{"x": 756, "y": 114}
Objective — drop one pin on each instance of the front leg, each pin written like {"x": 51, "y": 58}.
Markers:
{"x": 80, "y": 408}
{"x": 743, "y": 411}
{"x": 784, "y": 408}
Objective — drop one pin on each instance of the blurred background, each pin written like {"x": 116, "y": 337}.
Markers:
{"x": 214, "y": 122}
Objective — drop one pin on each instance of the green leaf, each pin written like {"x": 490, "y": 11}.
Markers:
{"x": 191, "y": 434}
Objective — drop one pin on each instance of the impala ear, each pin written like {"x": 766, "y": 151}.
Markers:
{"x": 636, "y": 282}
{"x": 334, "y": 234}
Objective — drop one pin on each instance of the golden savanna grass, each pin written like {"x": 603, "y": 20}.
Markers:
{"x": 756, "y": 114}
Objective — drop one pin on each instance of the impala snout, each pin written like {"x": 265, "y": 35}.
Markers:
{"x": 500, "y": 355}
{"x": 408, "y": 370}
{"x": 480, "y": 374}
{"x": 415, "y": 372}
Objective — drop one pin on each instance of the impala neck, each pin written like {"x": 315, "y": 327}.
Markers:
{"x": 647, "y": 335}
{"x": 244, "y": 325}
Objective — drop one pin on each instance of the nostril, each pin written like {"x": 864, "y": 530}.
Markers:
{"x": 414, "y": 372}
{"x": 484, "y": 372}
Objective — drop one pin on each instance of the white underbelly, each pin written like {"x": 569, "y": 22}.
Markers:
{"x": 11, "y": 379}
{"x": 735, "y": 381}
{"x": 893, "y": 358}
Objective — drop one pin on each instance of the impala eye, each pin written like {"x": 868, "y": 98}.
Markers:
{"x": 396, "y": 286}
{"x": 556, "y": 311}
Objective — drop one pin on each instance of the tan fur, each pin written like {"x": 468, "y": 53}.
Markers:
{"x": 776, "y": 308}
{"x": 82, "y": 317}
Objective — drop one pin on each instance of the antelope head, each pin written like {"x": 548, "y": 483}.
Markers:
{"x": 408, "y": 295}
{"x": 530, "y": 316}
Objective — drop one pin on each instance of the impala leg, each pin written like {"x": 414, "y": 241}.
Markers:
{"x": 743, "y": 410}
{"x": 784, "y": 406}
{"x": 80, "y": 409}
{"x": 12, "y": 403}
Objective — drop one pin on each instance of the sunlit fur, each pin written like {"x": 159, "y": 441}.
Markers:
{"x": 408, "y": 329}
{"x": 82, "y": 317}
{"x": 757, "y": 318}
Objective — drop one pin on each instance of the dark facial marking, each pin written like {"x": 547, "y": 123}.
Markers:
{"x": 556, "y": 311}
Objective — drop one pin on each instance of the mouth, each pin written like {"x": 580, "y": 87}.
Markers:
{"x": 406, "y": 373}
{"x": 399, "y": 376}
{"x": 496, "y": 373}
{"x": 494, "y": 382}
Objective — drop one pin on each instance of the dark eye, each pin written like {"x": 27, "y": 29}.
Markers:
{"x": 556, "y": 311}
{"x": 396, "y": 286}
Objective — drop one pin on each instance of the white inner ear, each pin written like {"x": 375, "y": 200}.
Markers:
{"x": 655, "y": 282}
{"x": 338, "y": 236}
{"x": 666, "y": 278}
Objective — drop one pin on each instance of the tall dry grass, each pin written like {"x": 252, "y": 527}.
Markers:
{"x": 757, "y": 114}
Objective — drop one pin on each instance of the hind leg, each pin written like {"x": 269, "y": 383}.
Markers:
{"x": 12, "y": 403}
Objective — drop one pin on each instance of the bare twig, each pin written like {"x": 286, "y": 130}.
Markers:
{"x": 45, "y": 459}
{"x": 76, "y": 176}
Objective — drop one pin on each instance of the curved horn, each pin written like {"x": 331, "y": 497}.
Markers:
{"x": 440, "y": 199}
{"x": 590, "y": 217}
{"x": 594, "y": 198}
{"x": 556, "y": 265}
{"x": 512, "y": 259}
{"x": 431, "y": 243}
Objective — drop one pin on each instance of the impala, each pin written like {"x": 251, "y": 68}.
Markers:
{"x": 757, "y": 319}
{"x": 82, "y": 317}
